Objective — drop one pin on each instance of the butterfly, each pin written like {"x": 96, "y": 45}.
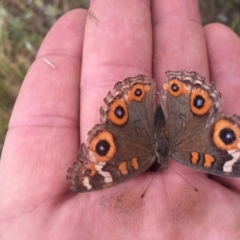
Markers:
{"x": 188, "y": 125}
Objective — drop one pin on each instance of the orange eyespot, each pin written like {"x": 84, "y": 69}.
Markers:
{"x": 200, "y": 102}
{"x": 176, "y": 88}
{"x": 103, "y": 146}
{"x": 226, "y": 135}
{"x": 138, "y": 92}
{"x": 118, "y": 112}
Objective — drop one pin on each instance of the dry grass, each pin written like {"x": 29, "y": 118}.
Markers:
{"x": 23, "y": 24}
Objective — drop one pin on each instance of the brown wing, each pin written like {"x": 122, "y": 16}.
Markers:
{"x": 199, "y": 135}
{"x": 121, "y": 146}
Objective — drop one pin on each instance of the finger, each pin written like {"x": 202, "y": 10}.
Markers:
{"x": 178, "y": 44}
{"x": 43, "y": 134}
{"x": 178, "y": 41}
{"x": 224, "y": 48}
{"x": 118, "y": 44}
{"x": 224, "y": 57}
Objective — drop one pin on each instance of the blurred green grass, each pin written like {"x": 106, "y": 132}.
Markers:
{"x": 23, "y": 25}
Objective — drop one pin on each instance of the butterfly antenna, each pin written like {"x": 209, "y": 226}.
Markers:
{"x": 142, "y": 196}
{"x": 195, "y": 189}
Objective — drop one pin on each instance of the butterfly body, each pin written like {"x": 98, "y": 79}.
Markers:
{"x": 188, "y": 125}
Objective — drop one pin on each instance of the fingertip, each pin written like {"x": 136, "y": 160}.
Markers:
{"x": 219, "y": 36}
{"x": 224, "y": 55}
{"x": 66, "y": 35}
{"x": 179, "y": 42}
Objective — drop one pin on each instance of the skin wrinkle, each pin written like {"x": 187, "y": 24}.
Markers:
{"x": 69, "y": 124}
{"x": 106, "y": 82}
{"x": 178, "y": 20}
{"x": 64, "y": 55}
{"x": 124, "y": 66}
{"x": 33, "y": 207}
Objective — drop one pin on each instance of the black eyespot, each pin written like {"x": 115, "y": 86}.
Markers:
{"x": 175, "y": 87}
{"x": 102, "y": 147}
{"x": 119, "y": 112}
{"x": 227, "y": 135}
{"x": 198, "y": 102}
{"x": 87, "y": 172}
{"x": 138, "y": 92}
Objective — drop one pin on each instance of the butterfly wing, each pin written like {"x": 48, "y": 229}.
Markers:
{"x": 200, "y": 136}
{"x": 121, "y": 146}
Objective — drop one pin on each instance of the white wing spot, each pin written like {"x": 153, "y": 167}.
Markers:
{"x": 227, "y": 167}
{"x": 86, "y": 183}
{"x": 106, "y": 175}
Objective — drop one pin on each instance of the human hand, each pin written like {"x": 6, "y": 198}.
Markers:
{"x": 120, "y": 40}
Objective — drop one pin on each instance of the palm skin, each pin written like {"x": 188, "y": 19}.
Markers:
{"x": 112, "y": 41}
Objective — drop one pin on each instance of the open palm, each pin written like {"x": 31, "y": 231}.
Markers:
{"x": 91, "y": 50}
